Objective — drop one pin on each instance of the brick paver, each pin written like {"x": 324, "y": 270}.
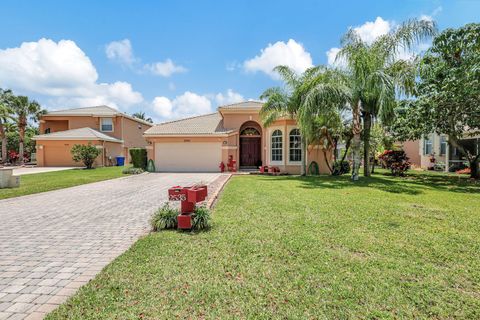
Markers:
{"x": 54, "y": 242}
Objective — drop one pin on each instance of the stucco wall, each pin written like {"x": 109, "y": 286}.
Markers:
{"x": 412, "y": 149}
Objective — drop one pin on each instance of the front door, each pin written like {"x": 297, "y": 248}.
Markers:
{"x": 250, "y": 151}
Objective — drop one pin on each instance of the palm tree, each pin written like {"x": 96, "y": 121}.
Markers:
{"x": 141, "y": 115}
{"x": 5, "y": 115}
{"x": 377, "y": 76}
{"x": 287, "y": 102}
{"x": 24, "y": 109}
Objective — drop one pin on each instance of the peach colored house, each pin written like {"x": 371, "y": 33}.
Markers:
{"x": 201, "y": 143}
{"x": 108, "y": 129}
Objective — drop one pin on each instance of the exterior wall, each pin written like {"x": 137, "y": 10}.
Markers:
{"x": 413, "y": 151}
{"x": 132, "y": 136}
{"x": 425, "y": 158}
{"x": 57, "y": 153}
{"x": 54, "y": 126}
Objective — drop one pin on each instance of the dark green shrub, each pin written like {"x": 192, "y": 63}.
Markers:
{"x": 139, "y": 157}
{"x": 313, "y": 168}
{"x": 340, "y": 167}
{"x": 132, "y": 170}
{"x": 85, "y": 153}
{"x": 164, "y": 218}
{"x": 201, "y": 218}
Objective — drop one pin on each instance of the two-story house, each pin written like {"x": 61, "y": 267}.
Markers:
{"x": 108, "y": 129}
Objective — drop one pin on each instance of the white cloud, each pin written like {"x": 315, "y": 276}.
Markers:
{"x": 332, "y": 55}
{"x": 186, "y": 105}
{"x": 228, "y": 98}
{"x": 165, "y": 69}
{"x": 62, "y": 73}
{"x": 291, "y": 54}
{"x": 370, "y": 31}
{"x": 191, "y": 104}
{"x": 120, "y": 51}
{"x": 430, "y": 17}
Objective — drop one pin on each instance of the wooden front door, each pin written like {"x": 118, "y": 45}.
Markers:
{"x": 250, "y": 151}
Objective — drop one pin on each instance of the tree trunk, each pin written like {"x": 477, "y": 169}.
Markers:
{"x": 335, "y": 149}
{"x": 356, "y": 130}
{"x": 326, "y": 161}
{"x": 21, "y": 132}
{"x": 474, "y": 170}
{"x": 367, "y": 124}
{"x": 3, "y": 137}
{"x": 304, "y": 157}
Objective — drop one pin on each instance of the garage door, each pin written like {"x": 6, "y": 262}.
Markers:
{"x": 56, "y": 156}
{"x": 188, "y": 156}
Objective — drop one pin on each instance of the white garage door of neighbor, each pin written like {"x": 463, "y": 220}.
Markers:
{"x": 188, "y": 156}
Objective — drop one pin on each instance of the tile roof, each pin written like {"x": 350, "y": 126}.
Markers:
{"x": 98, "y": 111}
{"x": 209, "y": 124}
{"x": 77, "y": 134}
{"x": 242, "y": 105}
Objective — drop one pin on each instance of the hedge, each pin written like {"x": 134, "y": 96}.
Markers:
{"x": 139, "y": 157}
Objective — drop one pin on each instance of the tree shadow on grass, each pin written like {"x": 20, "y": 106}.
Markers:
{"x": 412, "y": 184}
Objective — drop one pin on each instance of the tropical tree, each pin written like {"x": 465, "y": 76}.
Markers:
{"x": 24, "y": 109}
{"x": 448, "y": 98}
{"x": 286, "y": 102}
{"x": 5, "y": 116}
{"x": 376, "y": 75}
{"x": 141, "y": 115}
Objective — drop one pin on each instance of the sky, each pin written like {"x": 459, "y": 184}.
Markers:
{"x": 173, "y": 59}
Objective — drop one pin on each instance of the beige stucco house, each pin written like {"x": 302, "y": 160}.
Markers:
{"x": 108, "y": 129}
{"x": 201, "y": 143}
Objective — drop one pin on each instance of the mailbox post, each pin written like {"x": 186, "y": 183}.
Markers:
{"x": 188, "y": 197}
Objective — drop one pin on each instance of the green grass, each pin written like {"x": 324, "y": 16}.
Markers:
{"x": 306, "y": 248}
{"x": 47, "y": 181}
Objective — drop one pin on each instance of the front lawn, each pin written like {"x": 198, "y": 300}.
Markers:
{"x": 47, "y": 181}
{"x": 306, "y": 248}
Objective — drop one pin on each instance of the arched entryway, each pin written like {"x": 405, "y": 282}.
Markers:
{"x": 250, "y": 145}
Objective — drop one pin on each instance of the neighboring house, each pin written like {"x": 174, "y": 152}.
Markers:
{"x": 420, "y": 151}
{"x": 235, "y": 131}
{"x": 106, "y": 128}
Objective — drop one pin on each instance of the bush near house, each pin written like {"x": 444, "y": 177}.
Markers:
{"x": 164, "y": 218}
{"x": 340, "y": 167}
{"x": 395, "y": 160}
{"x": 139, "y": 157}
{"x": 131, "y": 170}
{"x": 85, "y": 153}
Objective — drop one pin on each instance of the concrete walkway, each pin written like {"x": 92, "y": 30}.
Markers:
{"x": 31, "y": 170}
{"x": 54, "y": 242}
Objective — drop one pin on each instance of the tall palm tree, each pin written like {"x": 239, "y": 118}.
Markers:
{"x": 24, "y": 109}
{"x": 377, "y": 75}
{"x": 5, "y": 115}
{"x": 141, "y": 115}
{"x": 286, "y": 102}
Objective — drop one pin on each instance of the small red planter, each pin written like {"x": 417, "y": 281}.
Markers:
{"x": 197, "y": 194}
{"x": 187, "y": 207}
{"x": 184, "y": 221}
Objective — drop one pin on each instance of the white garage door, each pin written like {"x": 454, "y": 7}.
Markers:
{"x": 188, "y": 156}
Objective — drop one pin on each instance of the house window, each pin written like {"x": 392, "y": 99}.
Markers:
{"x": 277, "y": 146}
{"x": 443, "y": 145}
{"x": 427, "y": 146}
{"x": 47, "y": 131}
{"x": 106, "y": 125}
{"x": 295, "y": 145}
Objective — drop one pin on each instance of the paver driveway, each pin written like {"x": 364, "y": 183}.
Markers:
{"x": 54, "y": 242}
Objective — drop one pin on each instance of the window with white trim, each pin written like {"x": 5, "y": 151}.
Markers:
{"x": 443, "y": 145}
{"x": 427, "y": 145}
{"x": 277, "y": 146}
{"x": 295, "y": 146}
{"x": 106, "y": 124}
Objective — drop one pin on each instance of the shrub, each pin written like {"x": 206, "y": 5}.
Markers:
{"x": 164, "y": 218}
{"x": 457, "y": 167}
{"x": 201, "y": 218}
{"x": 395, "y": 160}
{"x": 340, "y": 167}
{"x": 85, "y": 153}
{"x": 132, "y": 171}
{"x": 139, "y": 157}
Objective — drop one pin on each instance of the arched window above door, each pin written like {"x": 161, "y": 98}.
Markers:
{"x": 250, "y": 132}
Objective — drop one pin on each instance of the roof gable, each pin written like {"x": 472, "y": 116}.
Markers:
{"x": 76, "y": 134}
{"x": 209, "y": 124}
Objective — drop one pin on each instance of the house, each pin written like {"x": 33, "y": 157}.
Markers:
{"x": 446, "y": 156}
{"x": 235, "y": 131}
{"x": 108, "y": 129}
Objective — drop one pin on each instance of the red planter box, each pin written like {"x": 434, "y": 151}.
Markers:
{"x": 184, "y": 221}
{"x": 197, "y": 194}
{"x": 187, "y": 207}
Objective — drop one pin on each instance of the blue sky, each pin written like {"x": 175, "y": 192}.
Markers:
{"x": 180, "y": 58}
